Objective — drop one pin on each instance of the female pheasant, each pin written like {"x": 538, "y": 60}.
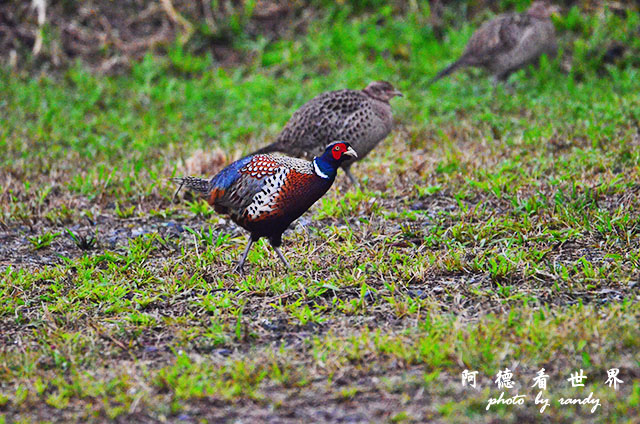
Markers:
{"x": 361, "y": 117}
{"x": 509, "y": 42}
{"x": 265, "y": 193}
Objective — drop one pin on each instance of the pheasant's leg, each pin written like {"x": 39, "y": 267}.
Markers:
{"x": 282, "y": 258}
{"x": 495, "y": 80}
{"x": 503, "y": 78}
{"x": 243, "y": 258}
{"x": 347, "y": 171}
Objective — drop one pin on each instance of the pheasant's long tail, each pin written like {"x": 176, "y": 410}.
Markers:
{"x": 198, "y": 185}
{"x": 448, "y": 70}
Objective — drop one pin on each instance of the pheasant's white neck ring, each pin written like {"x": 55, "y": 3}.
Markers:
{"x": 318, "y": 170}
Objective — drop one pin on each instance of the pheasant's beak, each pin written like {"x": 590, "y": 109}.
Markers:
{"x": 397, "y": 93}
{"x": 351, "y": 152}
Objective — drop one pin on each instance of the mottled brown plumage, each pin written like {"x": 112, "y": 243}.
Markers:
{"x": 509, "y": 42}
{"x": 360, "y": 117}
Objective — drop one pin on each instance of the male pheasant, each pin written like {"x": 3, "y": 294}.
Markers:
{"x": 265, "y": 193}
{"x": 509, "y": 42}
{"x": 360, "y": 117}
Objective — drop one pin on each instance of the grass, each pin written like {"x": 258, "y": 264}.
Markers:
{"x": 495, "y": 229}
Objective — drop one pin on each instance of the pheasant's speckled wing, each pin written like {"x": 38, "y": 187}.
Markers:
{"x": 496, "y": 36}
{"x": 537, "y": 38}
{"x": 262, "y": 187}
{"x": 320, "y": 121}
{"x": 365, "y": 128}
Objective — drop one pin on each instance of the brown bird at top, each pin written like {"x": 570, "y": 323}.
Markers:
{"x": 362, "y": 118}
{"x": 509, "y": 42}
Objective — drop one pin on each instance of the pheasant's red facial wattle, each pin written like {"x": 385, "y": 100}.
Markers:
{"x": 338, "y": 150}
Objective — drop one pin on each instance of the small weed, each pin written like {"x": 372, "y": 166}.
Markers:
{"x": 200, "y": 208}
{"x": 125, "y": 213}
{"x": 83, "y": 242}
{"x": 43, "y": 240}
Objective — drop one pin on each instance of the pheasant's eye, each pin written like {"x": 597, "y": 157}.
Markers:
{"x": 337, "y": 151}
